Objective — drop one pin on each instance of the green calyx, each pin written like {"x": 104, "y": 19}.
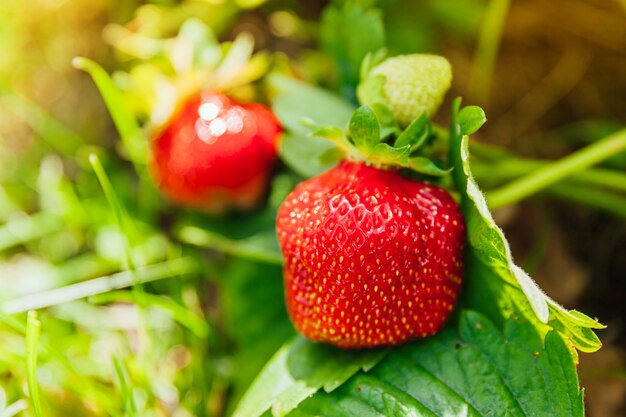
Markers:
{"x": 392, "y": 128}
{"x": 380, "y": 142}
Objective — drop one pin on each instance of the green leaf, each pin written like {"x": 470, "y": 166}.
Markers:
{"x": 471, "y": 119}
{"x": 33, "y": 327}
{"x": 253, "y": 302}
{"x": 364, "y": 129}
{"x": 426, "y": 166}
{"x": 294, "y": 99}
{"x": 415, "y": 134}
{"x": 495, "y": 284}
{"x": 474, "y": 371}
{"x": 305, "y": 154}
{"x": 297, "y": 371}
{"x": 348, "y": 34}
{"x": 130, "y": 132}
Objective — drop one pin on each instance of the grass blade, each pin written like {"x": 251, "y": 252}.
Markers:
{"x": 52, "y": 131}
{"x": 130, "y": 132}
{"x": 251, "y": 248}
{"x": 32, "y": 336}
{"x": 14, "y": 409}
{"x": 196, "y": 324}
{"x": 119, "y": 212}
{"x": 125, "y": 386}
{"x": 172, "y": 268}
{"x": 24, "y": 229}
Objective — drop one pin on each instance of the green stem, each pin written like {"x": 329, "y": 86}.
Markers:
{"x": 487, "y": 49}
{"x": 516, "y": 167}
{"x": 592, "y": 197}
{"x": 557, "y": 171}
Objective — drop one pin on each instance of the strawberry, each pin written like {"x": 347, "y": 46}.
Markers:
{"x": 215, "y": 153}
{"x": 413, "y": 84}
{"x": 371, "y": 258}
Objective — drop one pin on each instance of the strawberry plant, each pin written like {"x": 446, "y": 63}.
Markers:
{"x": 293, "y": 214}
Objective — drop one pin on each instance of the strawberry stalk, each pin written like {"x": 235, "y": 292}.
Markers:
{"x": 558, "y": 170}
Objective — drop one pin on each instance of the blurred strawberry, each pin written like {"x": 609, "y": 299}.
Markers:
{"x": 216, "y": 154}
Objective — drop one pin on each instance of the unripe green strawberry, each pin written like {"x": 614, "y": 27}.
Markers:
{"x": 414, "y": 84}
{"x": 216, "y": 154}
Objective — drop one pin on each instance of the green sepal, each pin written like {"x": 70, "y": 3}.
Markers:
{"x": 388, "y": 126}
{"x": 332, "y": 155}
{"x": 364, "y": 129}
{"x": 416, "y": 134}
{"x": 337, "y": 136}
{"x": 385, "y": 154}
{"x": 371, "y": 60}
{"x": 425, "y": 166}
{"x": 370, "y": 90}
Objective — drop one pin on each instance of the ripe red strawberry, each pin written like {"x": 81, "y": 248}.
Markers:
{"x": 371, "y": 257}
{"x": 216, "y": 154}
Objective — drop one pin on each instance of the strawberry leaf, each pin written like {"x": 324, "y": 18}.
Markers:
{"x": 364, "y": 129}
{"x": 294, "y": 99}
{"x": 473, "y": 370}
{"x": 495, "y": 284}
{"x": 471, "y": 119}
{"x": 303, "y": 153}
{"x": 253, "y": 303}
{"x": 348, "y": 34}
{"x": 297, "y": 371}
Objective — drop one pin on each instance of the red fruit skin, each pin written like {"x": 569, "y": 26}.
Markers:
{"x": 371, "y": 258}
{"x": 216, "y": 154}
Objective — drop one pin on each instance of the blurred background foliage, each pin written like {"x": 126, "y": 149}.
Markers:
{"x": 551, "y": 76}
